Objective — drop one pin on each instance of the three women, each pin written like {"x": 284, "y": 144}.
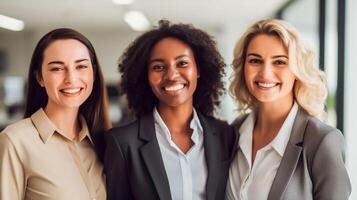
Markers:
{"x": 176, "y": 149}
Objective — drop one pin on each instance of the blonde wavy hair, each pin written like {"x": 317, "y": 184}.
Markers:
{"x": 310, "y": 90}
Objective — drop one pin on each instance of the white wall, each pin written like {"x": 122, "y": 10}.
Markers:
{"x": 18, "y": 47}
{"x": 227, "y": 39}
{"x": 351, "y": 94}
{"x": 109, "y": 45}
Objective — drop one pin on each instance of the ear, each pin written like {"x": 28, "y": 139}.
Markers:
{"x": 39, "y": 78}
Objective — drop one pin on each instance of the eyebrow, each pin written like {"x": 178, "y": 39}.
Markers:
{"x": 61, "y": 63}
{"x": 277, "y": 56}
{"x": 162, "y": 60}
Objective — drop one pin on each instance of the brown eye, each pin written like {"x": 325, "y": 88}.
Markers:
{"x": 280, "y": 62}
{"x": 158, "y": 68}
{"x": 82, "y": 66}
{"x": 182, "y": 63}
{"x": 56, "y": 69}
{"x": 255, "y": 61}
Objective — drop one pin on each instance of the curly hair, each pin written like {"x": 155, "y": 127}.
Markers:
{"x": 133, "y": 66}
{"x": 310, "y": 90}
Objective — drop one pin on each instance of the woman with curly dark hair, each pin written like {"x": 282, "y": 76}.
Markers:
{"x": 175, "y": 149}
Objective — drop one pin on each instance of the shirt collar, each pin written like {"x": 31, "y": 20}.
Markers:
{"x": 246, "y": 136}
{"x": 195, "y": 125}
{"x": 84, "y": 132}
{"x": 279, "y": 143}
{"x": 46, "y": 128}
{"x": 281, "y": 140}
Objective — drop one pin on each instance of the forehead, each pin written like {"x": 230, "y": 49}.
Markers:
{"x": 170, "y": 46}
{"x": 66, "y": 49}
{"x": 267, "y": 44}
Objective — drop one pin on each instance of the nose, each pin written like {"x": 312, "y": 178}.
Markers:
{"x": 70, "y": 76}
{"x": 172, "y": 73}
{"x": 265, "y": 70}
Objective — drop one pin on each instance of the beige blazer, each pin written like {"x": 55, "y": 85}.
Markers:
{"x": 312, "y": 166}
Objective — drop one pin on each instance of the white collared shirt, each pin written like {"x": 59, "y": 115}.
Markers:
{"x": 187, "y": 173}
{"x": 254, "y": 182}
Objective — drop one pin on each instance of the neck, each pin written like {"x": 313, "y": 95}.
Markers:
{"x": 271, "y": 115}
{"x": 66, "y": 120}
{"x": 177, "y": 119}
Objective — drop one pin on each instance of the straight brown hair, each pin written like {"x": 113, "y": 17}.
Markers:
{"x": 95, "y": 108}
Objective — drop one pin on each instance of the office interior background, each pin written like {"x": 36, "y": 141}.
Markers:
{"x": 327, "y": 26}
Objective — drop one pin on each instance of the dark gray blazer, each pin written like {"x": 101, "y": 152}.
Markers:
{"x": 312, "y": 166}
{"x": 135, "y": 169}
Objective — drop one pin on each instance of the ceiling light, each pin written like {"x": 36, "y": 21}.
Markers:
{"x": 11, "y": 23}
{"x": 137, "y": 20}
{"x": 123, "y": 2}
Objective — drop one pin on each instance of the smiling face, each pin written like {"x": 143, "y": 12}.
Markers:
{"x": 66, "y": 74}
{"x": 172, "y": 72}
{"x": 267, "y": 72}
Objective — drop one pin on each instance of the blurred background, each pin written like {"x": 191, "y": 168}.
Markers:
{"x": 327, "y": 26}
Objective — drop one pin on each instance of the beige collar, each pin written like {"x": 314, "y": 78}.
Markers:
{"x": 46, "y": 128}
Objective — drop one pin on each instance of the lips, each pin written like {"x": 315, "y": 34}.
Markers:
{"x": 173, "y": 87}
{"x": 71, "y": 90}
{"x": 266, "y": 85}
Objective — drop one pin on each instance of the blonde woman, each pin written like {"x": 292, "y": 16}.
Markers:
{"x": 284, "y": 150}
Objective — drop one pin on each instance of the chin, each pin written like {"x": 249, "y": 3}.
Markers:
{"x": 172, "y": 103}
{"x": 73, "y": 104}
{"x": 266, "y": 99}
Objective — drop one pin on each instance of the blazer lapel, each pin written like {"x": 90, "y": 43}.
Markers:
{"x": 152, "y": 157}
{"x": 290, "y": 157}
{"x": 213, "y": 156}
{"x": 236, "y": 126}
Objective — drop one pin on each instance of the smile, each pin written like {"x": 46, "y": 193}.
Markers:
{"x": 71, "y": 90}
{"x": 174, "y": 87}
{"x": 266, "y": 85}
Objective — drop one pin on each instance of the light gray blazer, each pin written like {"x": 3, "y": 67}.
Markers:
{"x": 312, "y": 166}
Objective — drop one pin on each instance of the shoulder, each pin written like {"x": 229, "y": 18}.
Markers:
{"x": 316, "y": 125}
{"x": 20, "y": 130}
{"x": 19, "y": 135}
{"x": 121, "y": 131}
{"x": 316, "y": 131}
{"x": 214, "y": 124}
{"x": 127, "y": 133}
{"x": 322, "y": 141}
{"x": 219, "y": 123}
{"x": 221, "y": 128}
{"x": 239, "y": 121}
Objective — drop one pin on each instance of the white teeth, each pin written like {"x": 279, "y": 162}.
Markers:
{"x": 174, "y": 87}
{"x": 71, "y": 91}
{"x": 267, "y": 85}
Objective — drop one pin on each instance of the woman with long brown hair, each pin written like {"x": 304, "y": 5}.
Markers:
{"x": 50, "y": 154}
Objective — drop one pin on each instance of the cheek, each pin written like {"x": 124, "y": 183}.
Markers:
{"x": 248, "y": 75}
{"x": 88, "y": 77}
{"x": 154, "y": 81}
{"x": 289, "y": 80}
{"x": 193, "y": 76}
{"x": 50, "y": 83}
{"x": 90, "y": 80}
